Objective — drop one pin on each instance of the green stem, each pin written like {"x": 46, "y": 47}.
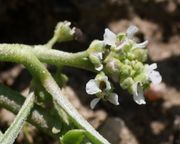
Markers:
{"x": 51, "y": 42}
{"x": 15, "y": 53}
{"x": 54, "y": 57}
{"x": 59, "y": 58}
{"x": 13, "y": 131}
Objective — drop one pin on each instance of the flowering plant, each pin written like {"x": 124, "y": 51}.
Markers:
{"x": 117, "y": 57}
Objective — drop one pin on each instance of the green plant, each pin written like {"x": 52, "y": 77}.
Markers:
{"x": 117, "y": 57}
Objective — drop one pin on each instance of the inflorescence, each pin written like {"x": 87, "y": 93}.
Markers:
{"x": 122, "y": 59}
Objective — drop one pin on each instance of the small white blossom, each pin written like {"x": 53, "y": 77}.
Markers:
{"x": 153, "y": 75}
{"x": 110, "y": 38}
{"x": 100, "y": 85}
{"x": 130, "y": 34}
{"x": 138, "y": 94}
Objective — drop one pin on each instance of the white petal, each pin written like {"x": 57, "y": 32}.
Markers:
{"x": 138, "y": 97}
{"x": 131, "y": 31}
{"x": 134, "y": 89}
{"x": 153, "y": 66}
{"x": 99, "y": 68}
{"x": 150, "y": 68}
{"x": 109, "y": 37}
{"x": 142, "y": 45}
{"x": 155, "y": 77}
{"x": 94, "y": 102}
{"x": 108, "y": 84}
{"x": 92, "y": 87}
{"x": 113, "y": 98}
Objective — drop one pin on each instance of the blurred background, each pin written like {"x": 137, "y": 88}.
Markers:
{"x": 32, "y": 22}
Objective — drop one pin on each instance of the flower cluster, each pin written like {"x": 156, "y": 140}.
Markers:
{"x": 121, "y": 58}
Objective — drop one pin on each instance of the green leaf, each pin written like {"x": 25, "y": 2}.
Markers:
{"x": 13, "y": 131}
{"x": 75, "y": 136}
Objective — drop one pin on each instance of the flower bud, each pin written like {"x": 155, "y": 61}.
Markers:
{"x": 127, "y": 83}
{"x": 125, "y": 70}
{"x": 63, "y": 32}
{"x": 141, "y": 78}
{"x": 95, "y": 52}
{"x": 138, "y": 67}
{"x": 121, "y": 36}
{"x": 127, "y": 47}
{"x": 140, "y": 54}
{"x": 130, "y": 56}
{"x": 112, "y": 68}
{"x": 112, "y": 65}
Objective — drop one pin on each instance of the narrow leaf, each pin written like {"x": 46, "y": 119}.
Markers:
{"x": 13, "y": 131}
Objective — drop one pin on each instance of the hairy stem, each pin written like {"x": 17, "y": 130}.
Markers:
{"x": 54, "y": 57}
{"x": 12, "y": 132}
{"x": 37, "y": 69}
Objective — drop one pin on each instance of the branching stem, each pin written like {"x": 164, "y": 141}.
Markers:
{"x": 24, "y": 55}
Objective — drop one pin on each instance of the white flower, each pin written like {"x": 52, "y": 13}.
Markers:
{"x": 153, "y": 75}
{"x": 110, "y": 38}
{"x": 130, "y": 34}
{"x": 100, "y": 85}
{"x": 138, "y": 94}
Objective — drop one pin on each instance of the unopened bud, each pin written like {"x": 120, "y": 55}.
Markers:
{"x": 141, "y": 78}
{"x": 125, "y": 70}
{"x": 64, "y": 32}
{"x": 140, "y": 54}
{"x": 127, "y": 83}
{"x": 138, "y": 67}
{"x": 95, "y": 52}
